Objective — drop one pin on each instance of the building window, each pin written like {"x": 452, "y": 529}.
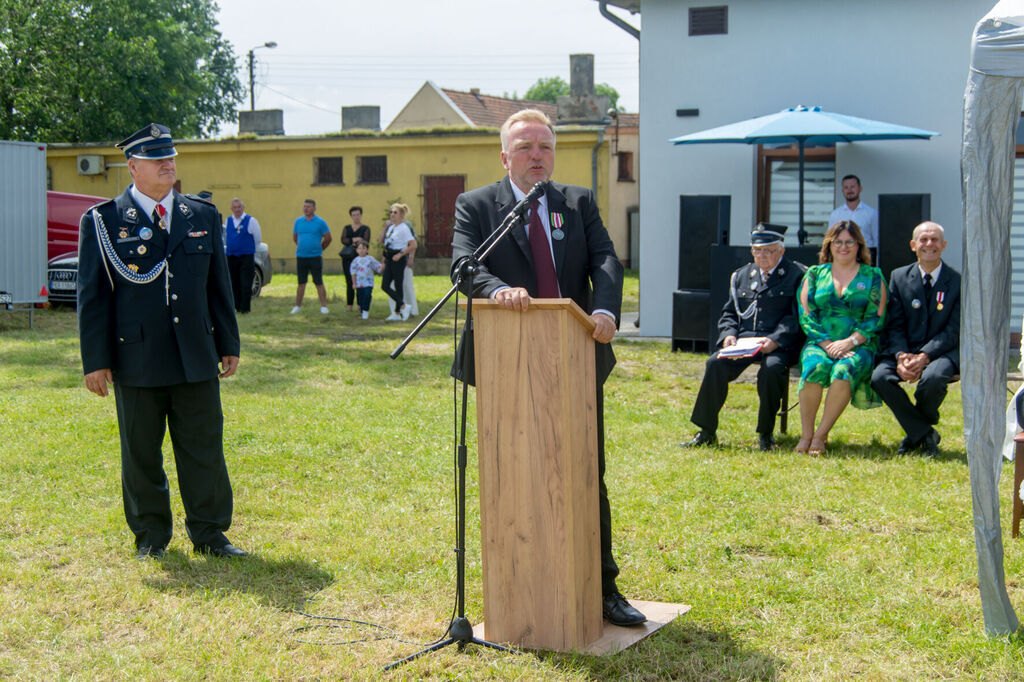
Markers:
{"x": 709, "y": 21}
{"x": 373, "y": 170}
{"x": 626, "y": 167}
{"x": 327, "y": 170}
{"x": 778, "y": 184}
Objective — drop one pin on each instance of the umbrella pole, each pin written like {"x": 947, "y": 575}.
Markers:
{"x": 801, "y": 234}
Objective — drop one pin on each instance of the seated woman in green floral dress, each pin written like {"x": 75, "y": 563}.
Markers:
{"x": 842, "y": 311}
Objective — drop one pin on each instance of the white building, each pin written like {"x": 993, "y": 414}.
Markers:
{"x": 704, "y": 65}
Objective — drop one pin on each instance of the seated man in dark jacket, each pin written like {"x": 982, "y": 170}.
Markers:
{"x": 762, "y": 304}
{"x": 922, "y": 339}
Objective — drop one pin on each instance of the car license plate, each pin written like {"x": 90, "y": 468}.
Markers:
{"x": 63, "y": 285}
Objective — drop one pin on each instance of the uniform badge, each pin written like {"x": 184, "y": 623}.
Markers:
{"x": 860, "y": 285}
{"x": 141, "y": 250}
{"x": 915, "y": 304}
{"x": 753, "y": 285}
{"x": 185, "y": 210}
{"x": 782, "y": 271}
{"x": 557, "y": 234}
{"x": 133, "y": 267}
{"x": 123, "y": 234}
{"x": 146, "y": 233}
{"x": 154, "y": 131}
{"x": 940, "y": 296}
{"x": 131, "y": 214}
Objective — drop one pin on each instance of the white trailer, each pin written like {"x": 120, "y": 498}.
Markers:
{"x": 22, "y": 226}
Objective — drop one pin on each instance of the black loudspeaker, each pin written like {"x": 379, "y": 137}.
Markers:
{"x": 691, "y": 313}
{"x": 703, "y": 221}
{"x": 898, "y": 215}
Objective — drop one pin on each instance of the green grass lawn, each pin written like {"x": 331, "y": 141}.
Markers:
{"x": 858, "y": 564}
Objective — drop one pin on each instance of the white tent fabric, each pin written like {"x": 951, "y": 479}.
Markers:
{"x": 992, "y": 107}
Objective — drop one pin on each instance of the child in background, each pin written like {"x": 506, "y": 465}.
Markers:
{"x": 363, "y": 267}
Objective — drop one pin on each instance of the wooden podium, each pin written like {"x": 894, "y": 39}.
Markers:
{"x": 537, "y": 442}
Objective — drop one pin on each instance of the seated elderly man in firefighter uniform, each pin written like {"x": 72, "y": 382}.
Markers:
{"x": 759, "y": 324}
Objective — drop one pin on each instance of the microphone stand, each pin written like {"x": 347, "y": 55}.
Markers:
{"x": 460, "y": 629}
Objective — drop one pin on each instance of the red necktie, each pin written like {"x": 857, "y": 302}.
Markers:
{"x": 543, "y": 266}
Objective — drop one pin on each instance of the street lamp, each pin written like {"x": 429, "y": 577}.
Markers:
{"x": 252, "y": 82}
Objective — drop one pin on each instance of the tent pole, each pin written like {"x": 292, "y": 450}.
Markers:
{"x": 801, "y": 234}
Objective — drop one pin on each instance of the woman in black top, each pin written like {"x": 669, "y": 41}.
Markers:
{"x": 348, "y": 252}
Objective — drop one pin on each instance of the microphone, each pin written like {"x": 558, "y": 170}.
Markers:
{"x": 535, "y": 193}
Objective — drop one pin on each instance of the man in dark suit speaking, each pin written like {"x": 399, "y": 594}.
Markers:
{"x": 563, "y": 252}
{"x": 155, "y": 318}
{"x": 922, "y": 339}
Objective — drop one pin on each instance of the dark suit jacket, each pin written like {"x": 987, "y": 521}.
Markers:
{"x": 775, "y": 301}
{"x": 923, "y": 328}
{"x": 146, "y": 334}
{"x": 587, "y": 268}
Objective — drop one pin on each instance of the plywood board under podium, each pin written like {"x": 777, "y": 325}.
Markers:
{"x": 616, "y": 638}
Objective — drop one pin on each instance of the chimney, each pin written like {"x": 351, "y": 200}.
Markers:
{"x": 581, "y": 105}
{"x": 360, "y": 118}
{"x": 261, "y": 122}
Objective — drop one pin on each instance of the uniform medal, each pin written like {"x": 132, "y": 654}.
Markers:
{"x": 123, "y": 234}
{"x": 145, "y": 234}
{"x": 556, "y": 224}
{"x": 940, "y": 296}
{"x": 915, "y": 304}
{"x": 141, "y": 250}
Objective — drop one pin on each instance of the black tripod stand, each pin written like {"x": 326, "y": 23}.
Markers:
{"x": 460, "y": 629}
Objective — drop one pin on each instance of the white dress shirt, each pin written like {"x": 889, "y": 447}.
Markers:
{"x": 865, "y": 217}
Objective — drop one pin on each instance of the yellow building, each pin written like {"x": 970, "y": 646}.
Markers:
{"x": 273, "y": 175}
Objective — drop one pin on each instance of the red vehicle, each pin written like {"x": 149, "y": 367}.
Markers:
{"x": 63, "y": 211}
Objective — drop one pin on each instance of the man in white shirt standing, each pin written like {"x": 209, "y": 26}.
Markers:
{"x": 856, "y": 210}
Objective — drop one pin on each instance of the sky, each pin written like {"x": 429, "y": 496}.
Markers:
{"x": 345, "y": 53}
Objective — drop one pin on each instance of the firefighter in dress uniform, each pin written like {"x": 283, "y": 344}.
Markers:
{"x": 156, "y": 320}
{"x": 762, "y": 303}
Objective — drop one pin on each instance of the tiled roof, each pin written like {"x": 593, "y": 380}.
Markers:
{"x": 490, "y": 112}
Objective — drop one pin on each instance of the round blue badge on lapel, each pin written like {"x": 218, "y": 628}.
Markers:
{"x": 146, "y": 234}
{"x": 915, "y": 304}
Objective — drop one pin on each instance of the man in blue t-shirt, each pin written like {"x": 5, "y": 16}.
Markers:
{"x": 311, "y": 236}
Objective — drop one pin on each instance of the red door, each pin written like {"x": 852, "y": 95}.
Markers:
{"x": 440, "y": 192}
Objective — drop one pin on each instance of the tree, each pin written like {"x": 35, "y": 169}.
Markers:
{"x": 81, "y": 71}
{"x": 548, "y": 90}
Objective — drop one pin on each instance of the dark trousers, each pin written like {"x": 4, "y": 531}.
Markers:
{"x": 394, "y": 274}
{"x": 916, "y": 419}
{"x": 772, "y": 382}
{"x": 609, "y": 569}
{"x": 346, "y": 268}
{"x": 243, "y": 270}
{"x": 192, "y": 412}
{"x": 365, "y": 297}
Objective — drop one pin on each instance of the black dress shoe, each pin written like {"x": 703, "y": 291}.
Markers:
{"x": 617, "y": 610}
{"x": 224, "y": 551}
{"x": 930, "y": 444}
{"x": 906, "y": 446}
{"x": 703, "y": 437}
{"x": 150, "y": 552}
{"x": 765, "y": 441}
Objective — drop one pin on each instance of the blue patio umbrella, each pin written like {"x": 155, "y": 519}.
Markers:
{"x": 803, "y": 125}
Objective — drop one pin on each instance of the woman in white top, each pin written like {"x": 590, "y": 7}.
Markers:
{"x": 399, "y": 245}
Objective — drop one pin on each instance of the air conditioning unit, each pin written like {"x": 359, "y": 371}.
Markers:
{"x": 90, "y": 164}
